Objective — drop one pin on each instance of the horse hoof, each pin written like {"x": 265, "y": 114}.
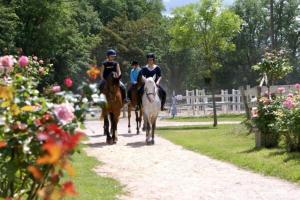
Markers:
{"x": 129, "y": 131}
{"x": 152, "y": 142}
{"x": 109, "y": 141}
{"x": 138, "y": 132}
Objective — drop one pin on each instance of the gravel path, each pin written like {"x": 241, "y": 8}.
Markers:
{"x": 168, "y": 172}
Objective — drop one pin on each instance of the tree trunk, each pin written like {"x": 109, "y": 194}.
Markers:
{"x": 212, "y": 89}
{"x": 273, "y": 45}
{"x": 245, "y": 100}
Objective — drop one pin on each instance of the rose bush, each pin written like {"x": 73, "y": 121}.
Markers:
{"x": 40, "y": 130}
{"x": 288, "y": 118}
{"x": 280, "y": 116}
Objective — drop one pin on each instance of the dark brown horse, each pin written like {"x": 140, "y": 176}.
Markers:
{"x": 112, "y": 111}
{"x": 133, "y": 105}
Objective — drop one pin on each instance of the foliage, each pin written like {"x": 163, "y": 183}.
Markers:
{"x": 210, "y": 29}
{"x": 265, "y": 120}
{"x": 274, "y": 66}
{"x": 280, "y": 116}
{"x": 39, "y": 134}
{"x": 287, "y": 119}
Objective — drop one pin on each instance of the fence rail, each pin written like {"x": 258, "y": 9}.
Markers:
{"x": 199, "y": 102}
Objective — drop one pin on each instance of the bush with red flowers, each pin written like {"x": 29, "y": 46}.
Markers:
{"x": 39, "y": 133}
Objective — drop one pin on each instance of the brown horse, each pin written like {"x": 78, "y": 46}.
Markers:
{"x": 133, "y": 105}
{"x": 112, "y": 111}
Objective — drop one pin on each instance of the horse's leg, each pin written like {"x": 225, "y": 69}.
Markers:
{"x": 147, "y": 126}
{"x": 129, "y": 116}
{"x": 153, "y": 130}
{"x": 140, "y": 118}
{"x": 112, "y": 128}
{"x": 116, "y": 121}
{"x": 144, "y": 123}
{"x": 106, "y": 129}
{"x": 137, "y": 122}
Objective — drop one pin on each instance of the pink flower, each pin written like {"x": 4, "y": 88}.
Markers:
{"x": 56, "y": 88}
{"x": 7, "y": 61}
{"x": 41, "y": 62}
{"x": 281, "y": 90}
{"x": 291, "y": 95}
{"x": 288, "y": 103}
{"x": 64, "y": 112}
{"x": 42, "y": 70}
{"x": 23, "y": 61}
{"x": 68, "y": 82}
{"x": 254, "y": 112}
{"x": 297, "y": 86}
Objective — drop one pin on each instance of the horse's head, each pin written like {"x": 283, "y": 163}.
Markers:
{"x": 150, "y": 88}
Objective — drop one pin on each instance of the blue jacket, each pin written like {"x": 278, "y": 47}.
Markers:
{"x": 134, "y": 73}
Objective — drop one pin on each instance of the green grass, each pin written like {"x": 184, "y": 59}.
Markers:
{"x": 222, "y": 117}
{"x": 89, "y": 185}
{"x": 231, "y": 143}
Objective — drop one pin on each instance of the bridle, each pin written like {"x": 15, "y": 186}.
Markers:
{"x": 149, "y": 94}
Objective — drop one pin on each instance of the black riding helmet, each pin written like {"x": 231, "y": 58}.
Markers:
{"x": 134, "y": 63}
{"x": 151, "y": 55}
{"x": 111, "y": 52}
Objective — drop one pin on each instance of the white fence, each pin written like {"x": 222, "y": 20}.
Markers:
{"x": 199, "y": 102}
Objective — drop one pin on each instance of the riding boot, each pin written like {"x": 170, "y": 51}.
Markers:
{"x": 163, "y": 97}
{"x": 123, "y": 93}
{"x": 139, "y": 97}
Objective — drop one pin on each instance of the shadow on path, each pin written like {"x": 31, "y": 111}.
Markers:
{"x": 97, "y": 145}
{"x": 136, "y": 144}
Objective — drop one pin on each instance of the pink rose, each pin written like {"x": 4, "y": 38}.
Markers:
{"x": 288, "y": 103}
{"x": 290, "y": 95}
{"x": 281, "y": 90}
{"x": 68, "y": 82}
{"x": 42, "y": 70}
{"x": 23, "y": 61}
{"x": 56, "y": 88}
{"x": 297, "y": 86}
{"x": 7, "y": 61}
{"x": 64, "y": 113}
{"x": 41, "y": 62}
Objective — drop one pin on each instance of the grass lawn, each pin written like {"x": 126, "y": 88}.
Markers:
{"x": 223, "y": 117}
{"x": 89, "y": 185}
{"x": 232, "y": 144}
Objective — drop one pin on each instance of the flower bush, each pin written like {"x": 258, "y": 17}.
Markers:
{"x": 40, "y": 130}
{"x": 288, "y": 118}
{"x": 265, "y": 120}
{"x": 280, "y": 116}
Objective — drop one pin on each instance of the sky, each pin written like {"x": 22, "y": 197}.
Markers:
{"x": 170, "y": 4}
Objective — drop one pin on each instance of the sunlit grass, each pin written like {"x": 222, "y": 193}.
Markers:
{"x": 231, "y": 143}
{"x": 89, "y": 185}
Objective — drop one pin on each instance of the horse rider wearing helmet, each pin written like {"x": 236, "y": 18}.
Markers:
{"x": 109, "y": 66}
{"x": 150, "y": 70}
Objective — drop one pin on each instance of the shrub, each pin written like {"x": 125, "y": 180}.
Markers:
{"x": 40, "y": 131}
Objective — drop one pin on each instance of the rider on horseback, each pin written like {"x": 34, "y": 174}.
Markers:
{"x": 133, "y": 77}
{"x": 111, "y": 66}
{"x": 150, "y": 70}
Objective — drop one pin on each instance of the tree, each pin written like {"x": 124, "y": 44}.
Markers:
{"x": 208, "y": 27}
{"x": 63, "y": 32}
{"x": 8, "y": 27}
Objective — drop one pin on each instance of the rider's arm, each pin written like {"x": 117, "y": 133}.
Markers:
{"x": 132, "y": 80}
{"x": 102, "y": 71}
{"x": 119, "y": 70}
{"x": 159, "y": 76}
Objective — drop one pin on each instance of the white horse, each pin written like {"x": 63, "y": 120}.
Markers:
{"x": 151, "y": 105}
